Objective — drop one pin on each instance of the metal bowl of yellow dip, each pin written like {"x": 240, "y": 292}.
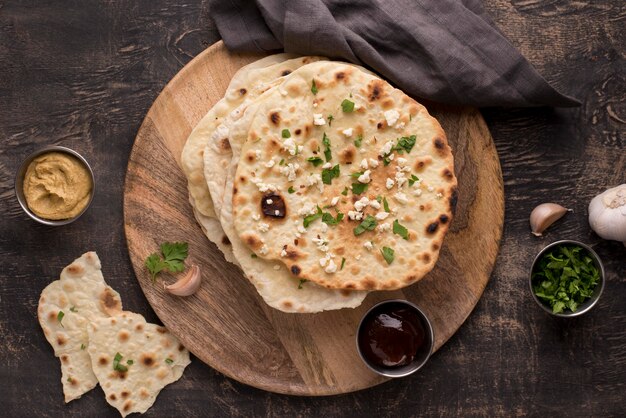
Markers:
{"x": 54, "y": 185}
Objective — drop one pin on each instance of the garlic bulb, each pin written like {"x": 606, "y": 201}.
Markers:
{"x": 545, "y": 215}
{"x": 607, "y": 214}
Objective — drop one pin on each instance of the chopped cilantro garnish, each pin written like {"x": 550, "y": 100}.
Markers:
{"x": 326, "y": 142}
{"x": 368, "y": 224}
{"x": 291, "y": 190}
{"x": 358, "y": 140}
{"x": 60, "y": 316}
{"x": 169, "y": 360}
{"x": 565, "y": 277}
{"x": 413, "y": 179}
{"x": 282, "y": 161}
{"x": 386, "y": 205}
{"x": 174, "y": 255}
{"x": 358, "y": 188}
{"x": 387, "y": 254}
{"x": 386, "y": 159}
{"x": 356, "y": 175}
{"x": 345, "y": 191}
{"x": 406, "y": 143}
{"x": 330, "y": 120}
{"x": 313, "y": 87}
{"x": 286, "y": 134}
{"x": 347, "y": 106}
{"x": 296, "y": 150}
{"x": 129, "y": 362}
{"x": 316, "y": 161}
{"x": 302, "y": 281}
{"x": 400, "y": 230}
{"x": 253, "y": 255}
{"x": 73, "y": 309}
{"x": 328, "y": 219}
{"x": 83, "y": 346}
{"x": 116, "y": 363}
{"x": 310, "y": 218}
{"x": 343, "y": 262}
{"x": 328, "y": 174}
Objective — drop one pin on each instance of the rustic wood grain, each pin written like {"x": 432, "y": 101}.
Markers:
{"x": 231, "y": 328}
{"x": 84, "y": 75}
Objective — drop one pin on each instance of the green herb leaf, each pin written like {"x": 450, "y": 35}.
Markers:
{"x": 73, "y": 309}
{"x": 343, "y": 262}
{"x": 129, "y": 362}
{"x": 174, "y": 254}
{"x": 368, "y": 224}
{"x": 316, "y": 161}
{"x": 302, "y": 281}
{"x": 60, "y": 316}
{"x": 400, "y": 230}
{"x": 281, "y": 162}
{"x": 116, "y": 363}
{"x": 83, "y": 346}
{"x": 313, "y": 87}
{"x": 345, "y": 191}
{"x": 413, "y": 179}
{"x": 310, "y": 218}
{"x": 328, "y": 174}
{"x": 386, "y": 205}
{"x": 358, "y": 141}
{"x": 358, "y": 188}
{"x": 357, "y": 174}
{"x": 387, "y": 254}
{"x": 330, "y": 120}
{"x": 406, "y": 143}
{"x": 169, "y": 360}
{"x": 326, "y": 142}
{"x": 328, "y": 219}
{"x": 155, "y": 264}
{"x": 291, "y": 190}
{"x": 347, "y": 106}
{"x": 285, "y": 133}
{"x": 254, "y": 255}
{"x": 386, "y": 159}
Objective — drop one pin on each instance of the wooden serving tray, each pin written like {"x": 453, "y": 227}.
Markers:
{"x": 226, "y": 324}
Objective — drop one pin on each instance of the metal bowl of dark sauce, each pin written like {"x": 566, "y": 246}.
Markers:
{"x": 395, "y": 338}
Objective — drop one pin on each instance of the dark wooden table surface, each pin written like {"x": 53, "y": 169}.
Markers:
{"x": 83, "y": 74}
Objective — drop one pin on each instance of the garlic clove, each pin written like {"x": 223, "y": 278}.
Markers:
{"x": 545, "y": 215}
{"x": 187, "y": 285}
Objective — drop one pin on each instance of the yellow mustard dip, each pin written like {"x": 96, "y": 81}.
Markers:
{"x": 57, "y": 186}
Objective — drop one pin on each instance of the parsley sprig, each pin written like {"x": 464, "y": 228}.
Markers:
{"x": 172, "y": 258}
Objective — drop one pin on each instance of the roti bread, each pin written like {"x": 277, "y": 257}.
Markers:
{"x": 66, "y": 306}
{"x": 329, "y": 122}
{"x": 133, "y": 360}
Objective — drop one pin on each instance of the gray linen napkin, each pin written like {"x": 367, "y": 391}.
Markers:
{"x": 447, "y": 51}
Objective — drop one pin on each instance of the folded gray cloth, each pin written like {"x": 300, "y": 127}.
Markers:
{"x": 447, "y": 51}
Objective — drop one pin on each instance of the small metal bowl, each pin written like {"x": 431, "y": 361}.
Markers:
{"x": 423, "y": 352}
{"x": 19, "y": 184}
{"x": 589, "y": 303}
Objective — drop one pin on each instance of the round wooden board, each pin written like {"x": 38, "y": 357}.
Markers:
{"x": 226, "y": 324}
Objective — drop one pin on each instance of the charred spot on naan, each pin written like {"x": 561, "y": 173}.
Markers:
{"x": 347, "y": 155}
{"x": 252, "y": 241}
{"x": 274, "y": 118}
{"x": 376, "y": 90}
{"x": 441, "y": 147}
{"x": 422, "y": 162}
{"x": 274, "y": 206}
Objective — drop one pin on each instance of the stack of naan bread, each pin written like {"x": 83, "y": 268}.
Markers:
{"x": 321, "y": 181}
{"x": 98, "y": 342}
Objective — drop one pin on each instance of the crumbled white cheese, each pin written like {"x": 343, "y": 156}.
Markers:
{"x": 417, "y": 192}
{"x": 290, "y": 145}
{"x": 355, "y": 216}
{"x": 256, "y": 217}
{"x": 400, "y": 125}
{"x": 283, "y": 92}
{"x": 364, "y": 164}
{"x": 386, "y": 149}
{"x": 331, "y": 267}
{"x": 381, "y": 216}
{"x": 374, "y": 203}
{"x": 431, "y": 188}
{"x": 401, "y": 197}
{"x": 264, "y": 250}
{"x": 389, "y": 184}
{"x": 324, "y": 227}
{"x": 301, "y": 229}
{"x": 283, "y": 253}
{"x": 276, "y": 212}
{"x": 368, "y": 245}
{"x": 438, "y": 195}
{"x": 324, "y": 261}
{"x": 264, "y": 187}
{"x": 318, "y": 119}
{"x": 258, "y": 154}
{"x": 401, "y": 161}
{"x": 334, "y": 201}
{"x": 390, "y": 157}
{"x": 358, "y": 257}
{"x": 400, "y": 179}
{"x": 307, "y": 208}
{"x": 362, "y": 203}
{"x": 315, "y": 104}
{"x": 347, "y": 132}
{"x": 321, "y": 243}
{"x": 263, "y": 227}
{"x": 327, "y": 165}
{"x": 383, "y": 227}
{"x": 270, "y": 163}
{"x": 314, "y": 179}
{"x": 392, "y": 117}
{"x": 373, "y": 163}
{"x": 269, "y": 201}
{"x": 289, "y": 171}
{"x": 365, "y": 177}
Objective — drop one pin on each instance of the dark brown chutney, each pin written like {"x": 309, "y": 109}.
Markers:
{"x": 392, "y": 335}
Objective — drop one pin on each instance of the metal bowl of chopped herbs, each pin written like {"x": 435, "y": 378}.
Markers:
{"x": 567, "y": 278}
